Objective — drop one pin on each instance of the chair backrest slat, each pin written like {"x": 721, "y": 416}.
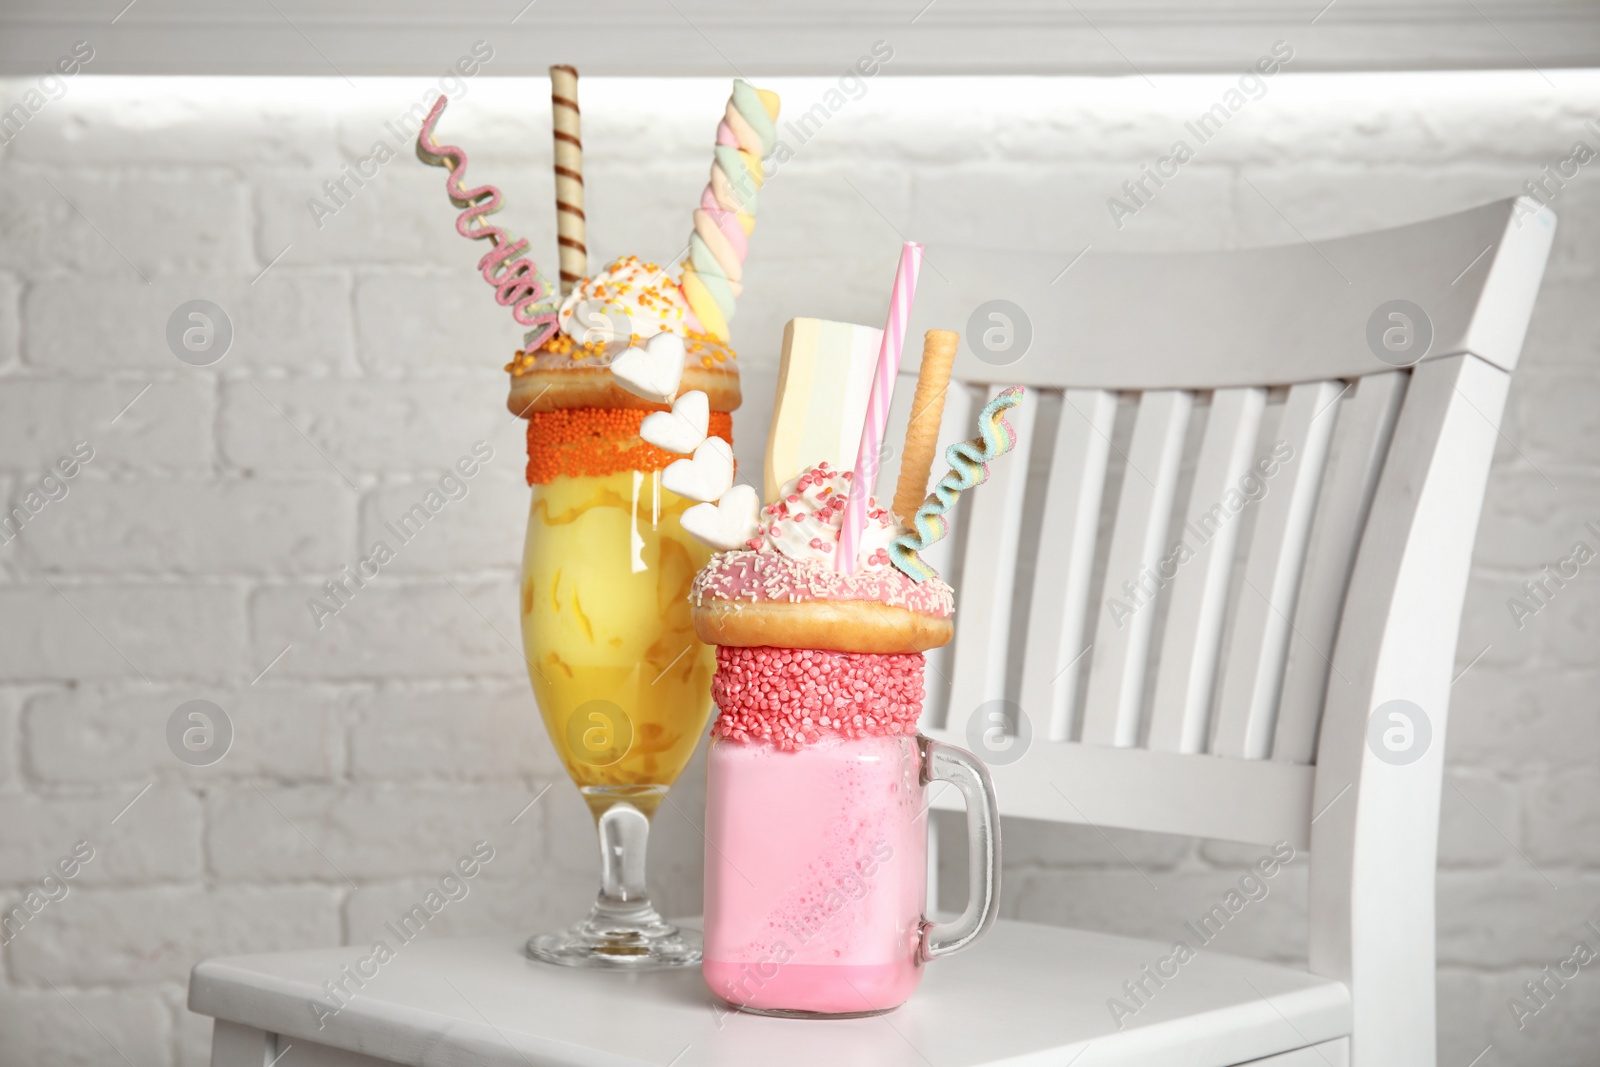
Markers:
{"x": 1181, "y": 715}
{"x": 988, "y": 573}
{"x": 1144, "y": 507}
{"x": 1252, "y": 681}
{"x": 1057, "y": 627}
{"x": 1361, "y": 443}
{"x": 1158, "y": 384}
{"x": 1232, "y": 692}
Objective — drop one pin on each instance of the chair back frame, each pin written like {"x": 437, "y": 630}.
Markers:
{"x": 1230, "y": 533}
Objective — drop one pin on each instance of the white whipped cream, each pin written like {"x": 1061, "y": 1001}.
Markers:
{"x": 628, "y": 299}
{"x": 804, "y": 522}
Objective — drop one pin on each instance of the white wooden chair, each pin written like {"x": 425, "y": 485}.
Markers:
{"x": 1234, "y": 704}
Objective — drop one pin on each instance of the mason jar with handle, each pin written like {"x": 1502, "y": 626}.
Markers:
{"x": 816, "y": 870}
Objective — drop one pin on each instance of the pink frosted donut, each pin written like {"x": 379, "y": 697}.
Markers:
{"x": 754, "y": 598}
{"x": 791, "y": 697}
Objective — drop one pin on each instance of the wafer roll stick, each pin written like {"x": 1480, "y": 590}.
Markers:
{"x": 927, "y": 408}
{"x": 571, "y": 226}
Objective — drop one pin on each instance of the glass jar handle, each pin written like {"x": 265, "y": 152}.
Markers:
{"x": 947, "y": 763}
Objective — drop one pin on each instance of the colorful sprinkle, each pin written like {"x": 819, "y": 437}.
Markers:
{"x": 757, "y": 576}
{"x": 582, "y": 442}
{"x": 792, "y": 697}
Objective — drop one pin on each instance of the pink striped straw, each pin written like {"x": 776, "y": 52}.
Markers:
{"x": 866, "y": 472}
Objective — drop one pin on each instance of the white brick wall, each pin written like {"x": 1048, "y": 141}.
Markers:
{"x": 377, "y": 749}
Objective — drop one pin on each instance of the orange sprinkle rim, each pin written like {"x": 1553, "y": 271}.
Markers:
{"x": 594, "y": 442}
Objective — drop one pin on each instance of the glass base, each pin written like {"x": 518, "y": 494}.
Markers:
{"x": 790, "y": 1013}
{"x": 644, "y": 942}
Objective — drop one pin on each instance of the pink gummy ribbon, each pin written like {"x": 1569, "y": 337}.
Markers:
{"x": 517, "y": 283}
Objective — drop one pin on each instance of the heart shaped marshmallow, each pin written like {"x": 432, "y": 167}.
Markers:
{"x": 653, "y": 371}
{"x": 727, "y": 524}
{"x": 683, "y": 428}
{"x": 706, "y": 476}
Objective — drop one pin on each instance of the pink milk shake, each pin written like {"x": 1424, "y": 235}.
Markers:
{"x": 816, "y": 801}
{"x": 816, "y": 874}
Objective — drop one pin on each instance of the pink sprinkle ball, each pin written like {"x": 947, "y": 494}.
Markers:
{"x": 791, "y": 697}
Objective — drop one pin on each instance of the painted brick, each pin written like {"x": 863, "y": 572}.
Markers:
{"x": 1479, "y": 820}
{"x": 1552, "y": 411}
{"x": 1514, "y": 916}
{"x": 353, "y": 426}
{"x": 188, "y": 222}
{"x": 1562, "y": 811}
{"x": 197, "y": 527}
{"x": 509, "y": 910}
{"x": 492, "y": 733}
{"x": 143, "y": 935}
{"x": 75, "y": 632}
{"x": 482, "y": 525}
{"x": 1525, "y": 719}
{"x": 155, "y": 837}
{"x": 1466, "y": 1001}
{"x": 286, "y": 318}
{"x": 468, "y": 629}
{"x": 427, "y": 323}
{"x": 254, "y": 834}
{"x": 127, "y": 123}
{"x": 10, "y": 320}
{"x": 91, "y": 735}
{"x": 400, "y": 216}
{"x": 1528, "y": 522}
{"x": 11, "y": 698}
{"x": 1559, "y": 1033}
{"x": 168, "y": 426}
{"x": 83, "y": 1028}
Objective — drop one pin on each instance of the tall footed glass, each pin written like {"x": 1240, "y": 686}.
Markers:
{"x": 623, "y": 686}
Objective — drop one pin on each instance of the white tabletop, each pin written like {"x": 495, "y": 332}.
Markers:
{"x": 1024, "y": 994}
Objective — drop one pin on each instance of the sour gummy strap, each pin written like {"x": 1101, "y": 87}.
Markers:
{"x": 969, "y": 466}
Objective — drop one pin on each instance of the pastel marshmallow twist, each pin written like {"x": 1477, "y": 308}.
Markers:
{"x": 713, "y": 277}
{"x": 969, "y": 466}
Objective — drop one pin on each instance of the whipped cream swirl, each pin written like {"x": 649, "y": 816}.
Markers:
{"x": 804, "y": 523}
{"x": 629, "y": 299}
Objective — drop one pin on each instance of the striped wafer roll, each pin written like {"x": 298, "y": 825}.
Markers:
{"x": 927, "y": 409}
{"x": 570, "y": 222}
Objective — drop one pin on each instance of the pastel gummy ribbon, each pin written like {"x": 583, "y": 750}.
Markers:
{"x": 969, "y": 466}
{"x": 714, "y": 274}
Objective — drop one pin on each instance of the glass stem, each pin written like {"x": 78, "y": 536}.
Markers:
{"x": 624, "y": 844}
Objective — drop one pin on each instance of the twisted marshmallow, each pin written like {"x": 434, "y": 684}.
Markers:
{"x": 713, "y": 277}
